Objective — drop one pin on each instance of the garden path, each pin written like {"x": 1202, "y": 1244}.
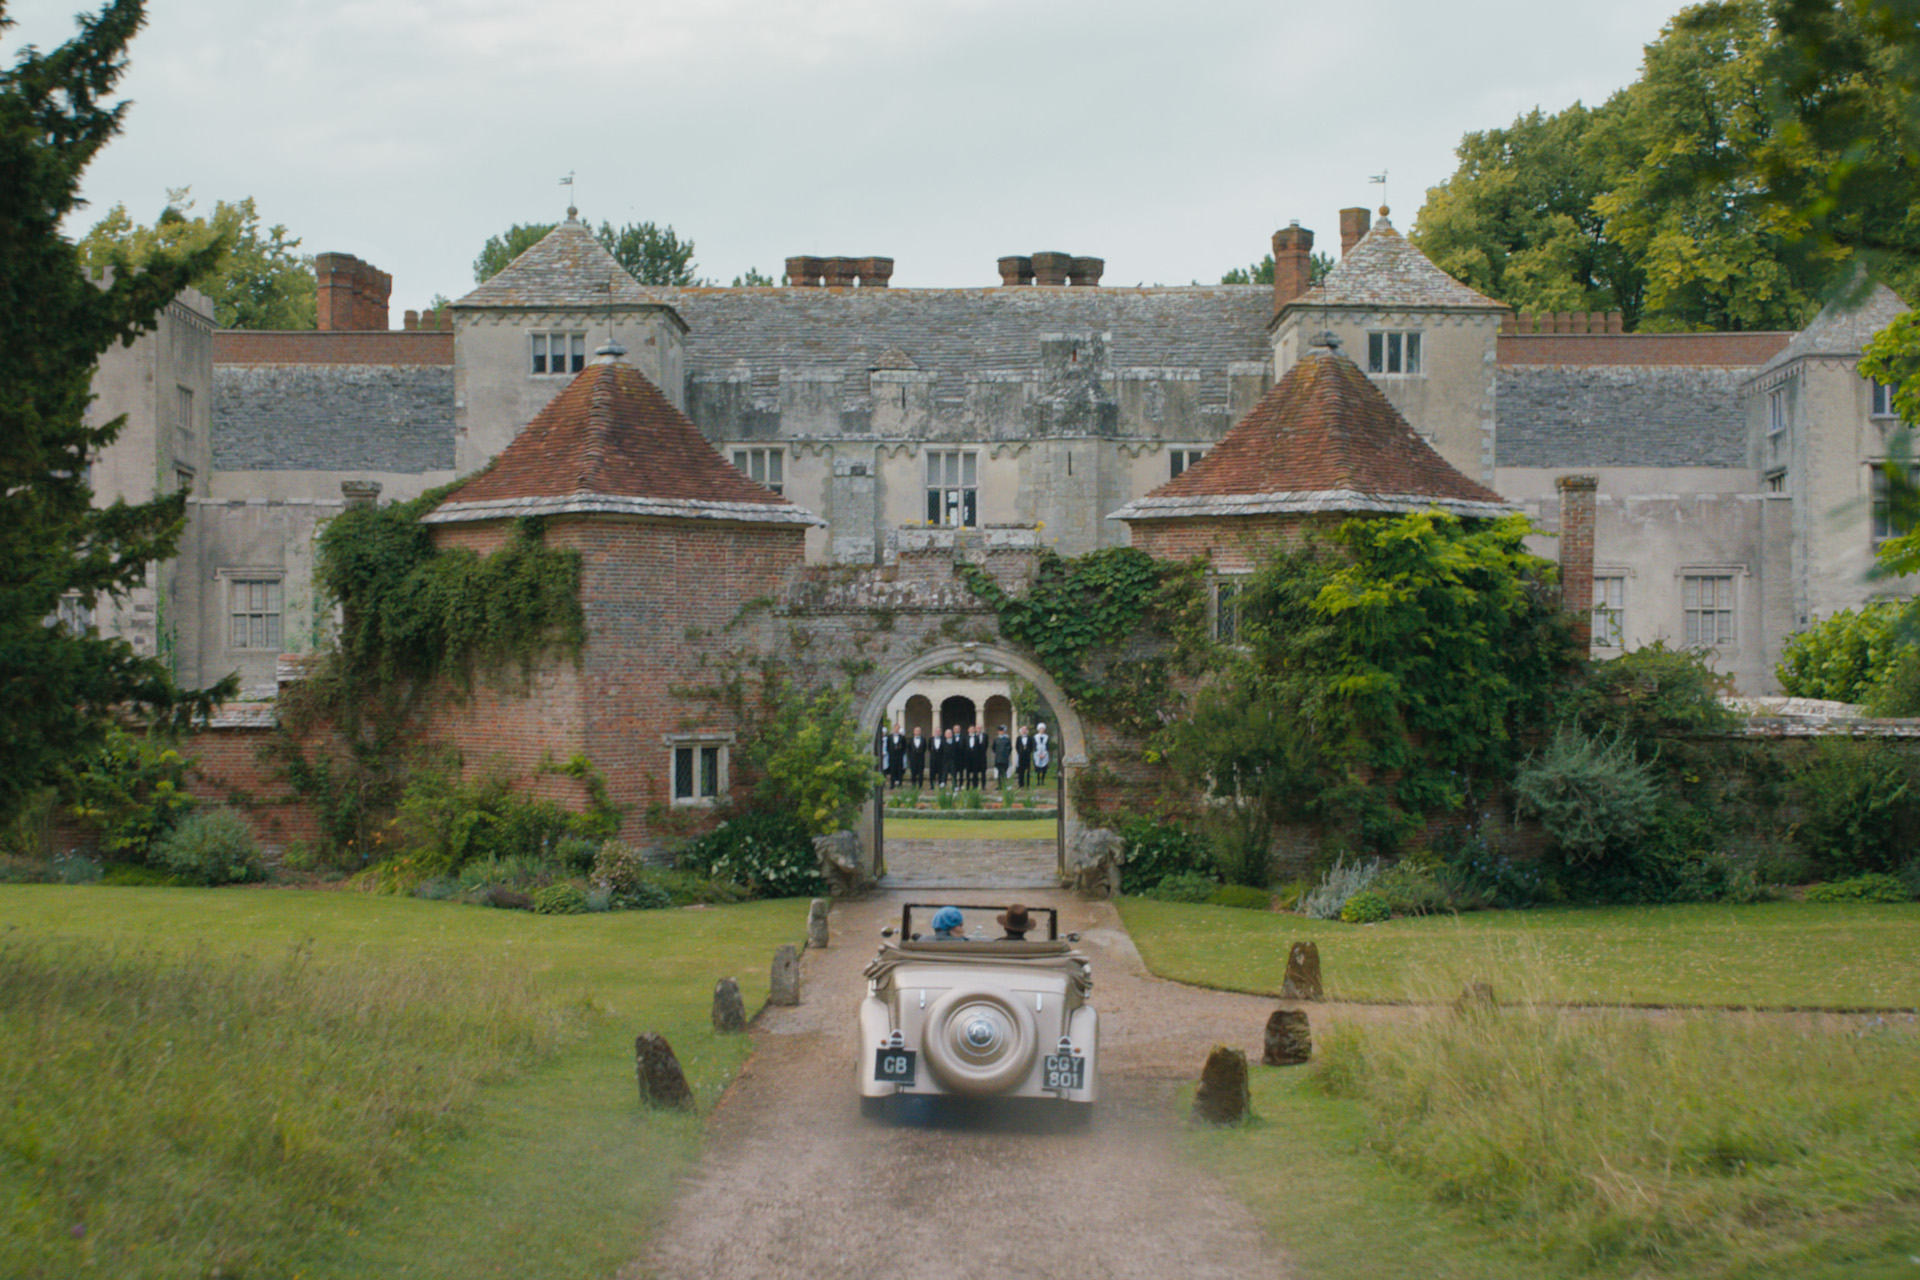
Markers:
{"x": 795, "y": 1182}
{"x": 972, "y": 864}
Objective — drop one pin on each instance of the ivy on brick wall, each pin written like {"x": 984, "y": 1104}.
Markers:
{"x": 411, "y": 615}
{"x": 1113, "y": 627}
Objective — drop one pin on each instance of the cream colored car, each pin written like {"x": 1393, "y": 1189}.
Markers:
{"x": 979, "y": 1016}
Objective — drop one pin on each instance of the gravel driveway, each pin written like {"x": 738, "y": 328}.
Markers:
{"x": 795, "y": 1183}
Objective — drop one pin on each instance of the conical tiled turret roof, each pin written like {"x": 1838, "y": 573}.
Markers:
{"x": 1323, "y": 438}
{"x": 612, "y": 443}
{"x": 1384, "y": 270}
{"x": 568, "y": 267}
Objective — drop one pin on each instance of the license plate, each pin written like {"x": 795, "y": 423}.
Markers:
{"x": 1065, "y": 1071}
{"x": 894, "y": 1066}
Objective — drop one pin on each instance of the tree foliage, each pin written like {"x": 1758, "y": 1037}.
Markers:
{"x": 258, "y": 278}
{"x": 1764, "y": 147}
{"x": 60, "y": 692}
{"x": 1261, "y": 272}
{"x": 650, "y": 254}
{"x": 1846, "y": 656}
{"x": 813, "y": 761}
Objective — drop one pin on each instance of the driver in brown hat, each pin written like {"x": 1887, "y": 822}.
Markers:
{"x": 1016, "y": 922}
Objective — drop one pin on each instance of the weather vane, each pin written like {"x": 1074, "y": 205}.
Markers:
{"x": 567, "y": 182}
{"x": 1381, "y": 178}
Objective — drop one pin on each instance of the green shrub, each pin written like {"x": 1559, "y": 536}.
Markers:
{"x": 1897, "y": 691}
{"x": 1844, "y": 656}
{"x": 132, "y": 791}
{"x": 1365, "y": 907}
{"x": 1185, "y": 886}
{"x": 643, "y": 896}
{"x": 130, "y": 875}
{"x": 1648, "y": 694}
{"x": 1240, "y": 895}
{"x": 1156, "y": 850}
{"x": 1588, "y": 794}
{"x": 508, "y": 873}
{"x": 438, "y": 889}
{"x": 617, "y": 867}
{"x": 1875, "y": 886}
{"x": 599, "y": 900}
{"x": 768, "y": 853}
{"x": 1411, "y": 889}
{"x": 563, "y": 899}
{"x": 1910, "y": 876}
{"x": 813, "y": 761}
{"x": 211, "y": 848}
{"x": 75, "y": 868}
{"x": 1340, "y": 883}
{"x": 577, "y": 852}
{"x": 1861, "y": 804}
{"x": 446, "y": 821}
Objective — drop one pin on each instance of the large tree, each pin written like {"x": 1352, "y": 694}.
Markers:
{"x": 259, "y": 280}
{"x": 651, "y": 254}
{"x": 1692, "y": 198}
{"x": 60, "y": 691}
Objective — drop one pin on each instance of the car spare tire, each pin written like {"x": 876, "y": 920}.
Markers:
{"x": 979, "y": 1042}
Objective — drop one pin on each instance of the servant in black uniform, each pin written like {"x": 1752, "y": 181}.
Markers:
{"x": 937, "y": 757}
{"x": 977, "y": 759}
{"x": 1002, "y": 756}
{"x": 896, "y": 757}
{"x": 917, "y": 758}
{"x": 1023, "y": 756}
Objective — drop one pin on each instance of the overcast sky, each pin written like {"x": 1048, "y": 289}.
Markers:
{"x": 1169, "y": 138}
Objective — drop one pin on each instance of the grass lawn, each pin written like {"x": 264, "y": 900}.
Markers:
{"x": 543, "y": 1164}
{"x": 1781, "y": 954}
{"x": 971, "y": 829}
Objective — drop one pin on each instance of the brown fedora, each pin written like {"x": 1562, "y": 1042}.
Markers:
{"x": 1016, "y": 920}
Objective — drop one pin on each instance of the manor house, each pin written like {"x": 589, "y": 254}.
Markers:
{"x": 1734, "y": 497}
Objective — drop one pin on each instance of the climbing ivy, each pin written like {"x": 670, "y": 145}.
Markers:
{"x": 1113, "y": 627}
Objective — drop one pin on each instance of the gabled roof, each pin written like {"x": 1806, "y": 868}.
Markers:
{"x": 1386, "y": 272}
{"x": 1324, "y": 438}
{"x": 567, "y": 268}
{"x": 1843, "y": 328}
{"x": 611, "y": 443}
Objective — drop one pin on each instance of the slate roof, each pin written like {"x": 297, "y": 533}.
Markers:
{"x": 951, "y": 333}
{"x": 612, "y": 443}
{"x": 1323, "y": 438}
{"x": 333, "y": 417}
{"x": 567, "y": 268}
{"x": 1620, "y": 416}
{"x": 1842, "y": 330}
{"x": 1385, "y": 272}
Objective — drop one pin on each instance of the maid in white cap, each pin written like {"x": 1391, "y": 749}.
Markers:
{"x": 1042, "y": 751}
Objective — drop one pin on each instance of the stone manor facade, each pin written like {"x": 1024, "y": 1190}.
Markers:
{"x": 1734, "y": 497}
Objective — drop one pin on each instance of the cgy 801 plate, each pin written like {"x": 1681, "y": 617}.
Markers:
{"x": 894, "y": 1066}
{"x": 1064, "y": 1071}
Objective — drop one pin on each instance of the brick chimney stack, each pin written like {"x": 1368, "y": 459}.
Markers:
{"x": 351, "y": 294}
{"x": 1576, "y": 552}
{"x": 1292, "y": 264}
{"x": 1354, "y": 223}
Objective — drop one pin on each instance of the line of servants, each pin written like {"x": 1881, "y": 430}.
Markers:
{"x": 953, "y": 758}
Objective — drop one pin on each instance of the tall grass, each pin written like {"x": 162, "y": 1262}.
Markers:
{"x": 1694, "y": 1145}
{"x": 198, "y": 1116}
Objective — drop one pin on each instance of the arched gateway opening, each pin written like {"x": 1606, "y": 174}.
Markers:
{"x": 1070, "y": 738}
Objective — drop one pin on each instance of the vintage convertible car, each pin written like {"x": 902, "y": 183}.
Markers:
{"x": 979, "y": 1017}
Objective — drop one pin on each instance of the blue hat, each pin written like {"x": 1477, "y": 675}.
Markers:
{"x": 948, "y": 918}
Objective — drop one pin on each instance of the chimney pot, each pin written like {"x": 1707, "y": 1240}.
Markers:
{"x": 1354, "y": 223}
{"x": 1616, "y": 322}
{"x": 840, "y": 272}
{"x": 1016, "y": 270}
{"x": 1292, "y": 264}
{"x": 1052, "y": 268}
{"x": 1087, "y": 271}
{"x": 1576, "y": 552}
{"x": 804, "y": 272}
{"x": 874, "y": 272}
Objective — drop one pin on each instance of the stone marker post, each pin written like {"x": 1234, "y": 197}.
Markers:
{"x": 729, "y": 1010}
{"x": 1303, "y": 972}
{"x": 785, "y": 986}
{"x": 1222, "y": 1097}
{"x": 1289, "y": 1040}
{"x": 662, "y": 1082}
{"x": 817, "y": 924}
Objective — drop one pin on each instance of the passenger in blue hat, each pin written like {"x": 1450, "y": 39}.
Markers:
{"x": 946, "y": 923}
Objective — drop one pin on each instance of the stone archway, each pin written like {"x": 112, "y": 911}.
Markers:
{"x": 1071, "y": 757}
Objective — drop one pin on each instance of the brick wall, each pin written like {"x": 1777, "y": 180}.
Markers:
{"x": 1640, "y": 348}
{"x": 1234, "y": 544}
{"x": 1576, "y": 552}
{"x": 230, "y": 769}
{"x": 314, "y": 346}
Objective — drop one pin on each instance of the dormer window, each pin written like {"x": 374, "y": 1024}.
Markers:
{"x": 1393, "y": 351}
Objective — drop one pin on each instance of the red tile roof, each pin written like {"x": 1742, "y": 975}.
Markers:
{"x": 611, "y": 442}
{"x": 1323, "y": 438}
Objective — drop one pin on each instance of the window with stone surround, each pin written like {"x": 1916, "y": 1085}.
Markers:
{"x": 1225, "y": 606}
{"x": 1707, "y": 605}
{"x": 555, "y": 352}
{"x": 74, "y": 616}
{"x": 1777, "y": 411}
{"x": 1885, "y": 523}
{"x": 253, "y": 612}
{"x": 1180, "y": 459}
{"x": 953, "y": 487}
{"x": 1393, "y": 351}
{"x": 699, "y": 772}
{"x": 1883, "y": 394}
{"x": 1609, "y": 611}
{"x": 764, "y": 466}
